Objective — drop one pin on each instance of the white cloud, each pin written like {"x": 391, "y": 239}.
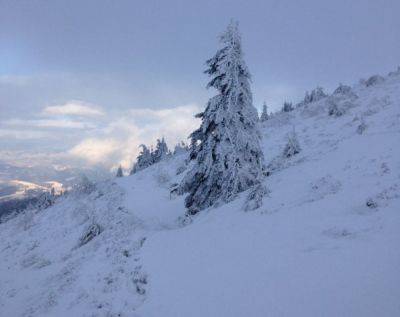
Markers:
{"x": 50, "y": 123}
{"x": 120, "y": 139}
{"x": 24, "y": 134}
{"x": 74, "y": 108}
{"x": 86, "y": 136}
{"x": 95, "y": 150}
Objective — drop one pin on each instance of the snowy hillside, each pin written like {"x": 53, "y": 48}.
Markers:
{"x": 324, "y": 243}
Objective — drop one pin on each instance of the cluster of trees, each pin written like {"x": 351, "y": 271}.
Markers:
{"x": 149, "y": 156}
{"x": 334, "y": 101}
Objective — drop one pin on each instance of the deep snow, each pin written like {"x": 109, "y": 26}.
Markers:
{"x": 325, "y": 242}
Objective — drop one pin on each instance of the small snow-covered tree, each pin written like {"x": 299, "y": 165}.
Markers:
{"x": 362, "y": 126}
{"x": 143, "y": 160}
{"x": 315, "y": 95}
{"x": 374, "y": 80}
{"x": 292, "y": 146}
{"x": 226, "y": 148}
{"x": 161, "y": 151}
{"x": 334, "y": 109}
{"x": 264, "y": 114}
{"x": 84, "y": 185}
{"x": 119, "y": 172}
{"x": 287, "y": 106}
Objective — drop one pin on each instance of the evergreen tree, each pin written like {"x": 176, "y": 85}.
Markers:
{"x": 143, "y": 160}
{"x": 315, "y": 95}
{"x": 287, "y": 106}
{"x": 264, "y": 114}
{"x": 226, "y": 148}
{"x": 292, "y": 146}
{"x": 119, "y": 172}
{"x": 161, "y": 151}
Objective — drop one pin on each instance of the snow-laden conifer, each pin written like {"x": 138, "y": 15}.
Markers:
{"x": 143, "y": 160}
{"x": 226, "y": 148}
{"x": 315, "y": 95}
{"x": 119, "y": 172}
{"x": 287, "y": 106}
{"x": 292, "y": 146}
{"x": 264, "y": 114}
{"x": 161, "y": 151}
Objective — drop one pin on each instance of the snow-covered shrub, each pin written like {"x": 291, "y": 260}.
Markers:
{"x": 255, "y": 197}
{"x": 362, "y": 126}
{"x": 334, "y": 109}
{"x": 342, "y": 98}
{"x": 374, "y": 80}
{"x": 344, "y": 90}
{"x": 292, "y": 146}
{"x": 140, "y": 280}
{"x": 85, "y": 186}
{"x": 92, "y": 231}
{"x": 174, "y": 190}
{"x": 226, "y": 148}
{"x": 287, "y": 106}
{"x": 315, "y": 95}
{"x": 371, "y": 203}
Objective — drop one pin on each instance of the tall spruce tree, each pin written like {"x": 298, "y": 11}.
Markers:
{"x": 226, "y": 148}
{"x": 264, "y": 114}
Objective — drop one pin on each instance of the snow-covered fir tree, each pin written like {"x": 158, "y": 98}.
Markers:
{"x": 226, "y": 148}
{"x": 287, "y": 106}
{"x": 119, "y": 172}
{"x": 161, "y": 151}
{"x": 292, "y": 146}
{"x": 315, "y": 95}
{"x": 264, "y": 114}
{"x": 334, "y": 109}
{"x": 143, "y": 160}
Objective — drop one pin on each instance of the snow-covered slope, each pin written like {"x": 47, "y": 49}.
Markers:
{"x": 325, "y": 242}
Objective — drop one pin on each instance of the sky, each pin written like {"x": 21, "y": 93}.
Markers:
{"x": 84, "y": 83}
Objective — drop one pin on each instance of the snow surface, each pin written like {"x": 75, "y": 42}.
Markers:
{"x": 325, "y": 242}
